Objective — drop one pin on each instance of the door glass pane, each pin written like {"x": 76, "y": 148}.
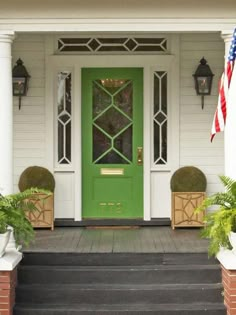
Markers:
{"x": 124, "y": 101}
{"x": 112, "y": 121}
{"x": 101, "y": 99}
{"x": 123, "y": 142}
{"x": 101, "y": 143}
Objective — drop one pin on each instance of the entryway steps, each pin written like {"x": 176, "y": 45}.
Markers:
{"x": 77, "y": 284}
{"x": 150, "y": 275}
{"x": 134, "y": 309}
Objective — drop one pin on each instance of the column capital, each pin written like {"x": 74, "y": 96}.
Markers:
{"x": 7, "y": 36}
{"x": 227, "y": 35}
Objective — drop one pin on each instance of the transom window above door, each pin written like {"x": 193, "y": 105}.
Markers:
{"x": 119, "y": 44}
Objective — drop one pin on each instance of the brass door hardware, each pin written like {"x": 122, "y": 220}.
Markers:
{"x": 140, "y": 155}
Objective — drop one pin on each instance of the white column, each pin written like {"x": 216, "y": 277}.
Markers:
{"x": 230, "y": 128}
{"x": 6, "y": 114}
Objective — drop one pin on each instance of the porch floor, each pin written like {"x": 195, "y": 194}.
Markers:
{"x": 158, "y": 239}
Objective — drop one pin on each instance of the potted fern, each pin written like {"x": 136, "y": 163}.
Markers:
{"x": 13, "y": 210}
{"x": 220, "y": 225}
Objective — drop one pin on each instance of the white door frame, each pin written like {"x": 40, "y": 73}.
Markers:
{"x": 75, "y": 63}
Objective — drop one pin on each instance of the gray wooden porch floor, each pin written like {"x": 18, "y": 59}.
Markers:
{"x": 141, "y": 240}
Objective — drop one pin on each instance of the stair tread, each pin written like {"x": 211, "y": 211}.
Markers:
{"x": 120, "y": 307}
{"x": 104, "y": 259}
{"x": 120, "y": 268}
{"x": 118, "y": 286}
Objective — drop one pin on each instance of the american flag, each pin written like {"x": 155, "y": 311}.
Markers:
{"x": 224, "y": 87}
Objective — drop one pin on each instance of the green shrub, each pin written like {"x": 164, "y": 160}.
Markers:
{"x": 36, "y": 177}
{"x": 188, "y": 179}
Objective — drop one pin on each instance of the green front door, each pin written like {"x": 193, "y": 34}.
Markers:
{"x": 112, "y": 143}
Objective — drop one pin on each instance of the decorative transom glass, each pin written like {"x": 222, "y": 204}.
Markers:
{"x": 112, "y": 44}
{"x": 160, "y": 118}
{"x": 112, "y": 121}
{"x": 64, "y": 117}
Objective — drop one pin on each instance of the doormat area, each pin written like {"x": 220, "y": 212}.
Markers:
{"x": 110, "y": 227}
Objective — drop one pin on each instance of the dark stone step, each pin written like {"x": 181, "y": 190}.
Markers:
{"x": 116, "y": 259}
{"x": 161, "y": 274}
{"x": 119, "y": 294}
{"x": 131, "y": 309}
{"x": 112, "y": 222}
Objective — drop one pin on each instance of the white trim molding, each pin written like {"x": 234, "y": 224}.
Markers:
{"x": 117, "y": 25}
{"x": 6, "y": 117}
{"x": 148, "y": 63}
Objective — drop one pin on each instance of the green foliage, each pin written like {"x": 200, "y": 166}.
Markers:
{"x": 222, "y": 221}
{"x": 13, "y": 213}
{"x": 36, "y": 177}
{"x": 188, "y": 179}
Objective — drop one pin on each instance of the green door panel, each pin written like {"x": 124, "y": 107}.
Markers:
{"x": 112, "y": 141}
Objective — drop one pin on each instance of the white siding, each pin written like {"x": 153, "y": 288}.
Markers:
{"x": 195, "y": 123}
{"x": 29, "y": 122}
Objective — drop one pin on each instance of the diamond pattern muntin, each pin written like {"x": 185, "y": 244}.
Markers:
{"x": 160, "y": 117}
{"x": 112, "y": 121}
{"x": 113, "y": 44}
{"x": 112, "y": 157}
{"x": 64, "y": 118}
{"x": 131, "y": 44}
{"x": 93, "y": 44}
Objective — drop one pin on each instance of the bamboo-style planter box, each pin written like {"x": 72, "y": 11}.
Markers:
{"x": 43, "y": 217}
{"x": 183, "y": 207}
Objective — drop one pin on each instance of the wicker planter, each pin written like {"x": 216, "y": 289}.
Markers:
{"x": 183, "y": 207}
{"x": 43, "y": 217}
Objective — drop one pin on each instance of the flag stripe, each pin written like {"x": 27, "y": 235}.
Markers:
{"x": 220, "y": 116}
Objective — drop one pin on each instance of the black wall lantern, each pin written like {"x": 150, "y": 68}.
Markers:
{"x": 20, "y": 80}
{"x": 203, "y": 79}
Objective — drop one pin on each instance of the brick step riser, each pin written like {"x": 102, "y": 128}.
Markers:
{"x": 129, "y": 276}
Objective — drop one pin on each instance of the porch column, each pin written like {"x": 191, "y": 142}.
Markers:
{"x": 230, "y": 128}
{"x": 6, "y": 114}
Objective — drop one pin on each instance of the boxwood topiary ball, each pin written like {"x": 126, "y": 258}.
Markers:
{"x": 188, "y": 179}
{"x": 36, "y": 177}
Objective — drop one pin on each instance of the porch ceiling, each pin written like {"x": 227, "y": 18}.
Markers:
{"x": 118, "y": 9}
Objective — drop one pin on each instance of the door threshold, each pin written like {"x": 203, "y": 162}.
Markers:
{"x": 111, "y": 222}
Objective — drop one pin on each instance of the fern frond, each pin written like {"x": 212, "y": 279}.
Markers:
{"x": 229, "y": 184}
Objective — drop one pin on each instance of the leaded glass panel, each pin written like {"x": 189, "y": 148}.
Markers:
{"x": 64, "y": 111}
{"x": 112, "y": 44}
{"x": 112, "y": 121}
{"x": 160, "y": 118}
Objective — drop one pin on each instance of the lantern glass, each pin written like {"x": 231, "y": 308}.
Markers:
{"x": 203, "y": 85}
{"x": 19, "y": 86}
